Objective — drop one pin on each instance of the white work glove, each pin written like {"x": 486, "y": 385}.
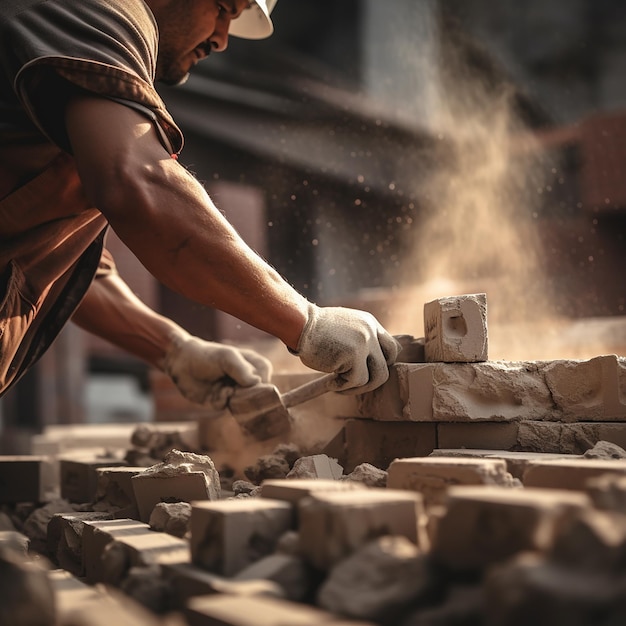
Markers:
{"x": 351, "y": 343}
{"x": 208, "y": 373}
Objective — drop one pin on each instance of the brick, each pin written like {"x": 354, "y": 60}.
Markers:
{"x": 140, "y": 549}
{"x": 575, "y": 438}
{"x": 150, "y": 490}
{"x": 333, "y": 525}
{"x": 455, "y": 329}
{"x": 25, "y": 479}
{"x": 484, "y": 525}
{"x": 64, "y": 539}
{"x": 228, "y": 535}
{"x": 496, "y": 435}
{"x": 432, "y": 476}
{"x": 501, "y": 391}
{"x": 295, "y": 489}
{"x": 588, "y": 389}
{"x": 226, "y": 610}
{"x": 115, "y": 493}
{"x": 79, "y": 477}
{"x": 379, "y": 443}
{"x": 570, "y": 474}
{"x": 97, "y": 535}
{"x": 516, "y": 462}
{"x": 406, "y": 396}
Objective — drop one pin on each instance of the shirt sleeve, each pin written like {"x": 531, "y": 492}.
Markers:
{"x": 105, "y": 47}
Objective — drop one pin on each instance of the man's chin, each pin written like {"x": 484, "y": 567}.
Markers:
{"x": 174, "y": 81}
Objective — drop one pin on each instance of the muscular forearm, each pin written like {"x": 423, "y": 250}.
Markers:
{"x": 167, "y": 219}
{"x": 111, "y": 311}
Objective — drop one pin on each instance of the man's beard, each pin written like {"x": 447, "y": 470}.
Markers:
{"x": 172, "y": 81}
{"x": 169, "y": 70}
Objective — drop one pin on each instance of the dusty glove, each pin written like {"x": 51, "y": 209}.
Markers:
{"x": 208, "y": 373}
{"x": 351, "y": 343}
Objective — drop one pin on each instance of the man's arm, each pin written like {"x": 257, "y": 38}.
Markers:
{"x": 164, "y": 215}
{"x": 205, "y": 372}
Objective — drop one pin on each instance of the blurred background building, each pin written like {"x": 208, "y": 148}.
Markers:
{"x": 381, "y": 154}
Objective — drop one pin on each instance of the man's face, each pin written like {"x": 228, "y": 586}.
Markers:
{"x": 188, "y": 31}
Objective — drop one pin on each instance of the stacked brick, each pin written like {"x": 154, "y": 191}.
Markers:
{"x": 457, "y": 398}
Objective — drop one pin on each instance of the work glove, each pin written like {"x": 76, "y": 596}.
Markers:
{"x": 349, "y": 342}
{"x": 208, "y": 373}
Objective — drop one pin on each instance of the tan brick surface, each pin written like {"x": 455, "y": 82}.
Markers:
{"x": 455, "y": 329}
{"x": 379, "y": 443}
{"x": 570, "y": 474}
{"x": 432, "y": 476}
{"x": 484, "y": 525}
{"x": 228, "y": 535}
{"x": 24, "y": 479}
{"x": 184, "y": 487}
{"x": 334, "y": 524}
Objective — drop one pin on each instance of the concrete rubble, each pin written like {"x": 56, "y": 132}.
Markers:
{"x": 461, "y": 492}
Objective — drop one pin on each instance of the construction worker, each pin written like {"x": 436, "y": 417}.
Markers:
{"x": 86, "y": 143}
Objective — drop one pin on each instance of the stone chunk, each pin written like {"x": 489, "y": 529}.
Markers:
{"x": 333, "y": 524}
{"x": 608, "y": 492}
{"x": 316, "y": 466}
{"x": 25, "y": 479}
{"x": 187, "y": 581}
{"x": 530, "y": 589}
{"x": 172, "y": 518}
{"x": 227, "y": 610}
{"x": 484, "y": 525}
{"x": 182, "y": 477}
{"x": 593, "y": 541}
{"x": 378, "y": 581}
{"x": 368, "y": 475}
{"x": 455, "y": 329}
{"x": 293, "y": 574}
{"x": 431, "y": 476}
{"x": 570, "y": 473}
{"x": 228, "y": 535}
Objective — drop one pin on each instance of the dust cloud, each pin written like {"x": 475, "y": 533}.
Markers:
{"x": 479, "y": 228}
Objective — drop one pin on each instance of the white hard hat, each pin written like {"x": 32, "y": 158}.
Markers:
{"x": 255, "y": 22}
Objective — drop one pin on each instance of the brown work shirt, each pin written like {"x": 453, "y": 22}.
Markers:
{"x": 51, "y": 238}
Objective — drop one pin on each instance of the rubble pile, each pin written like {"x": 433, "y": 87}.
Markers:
{"x": 462, "y": 492}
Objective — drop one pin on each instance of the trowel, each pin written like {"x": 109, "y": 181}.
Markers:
{"x": 263, "y": 411}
